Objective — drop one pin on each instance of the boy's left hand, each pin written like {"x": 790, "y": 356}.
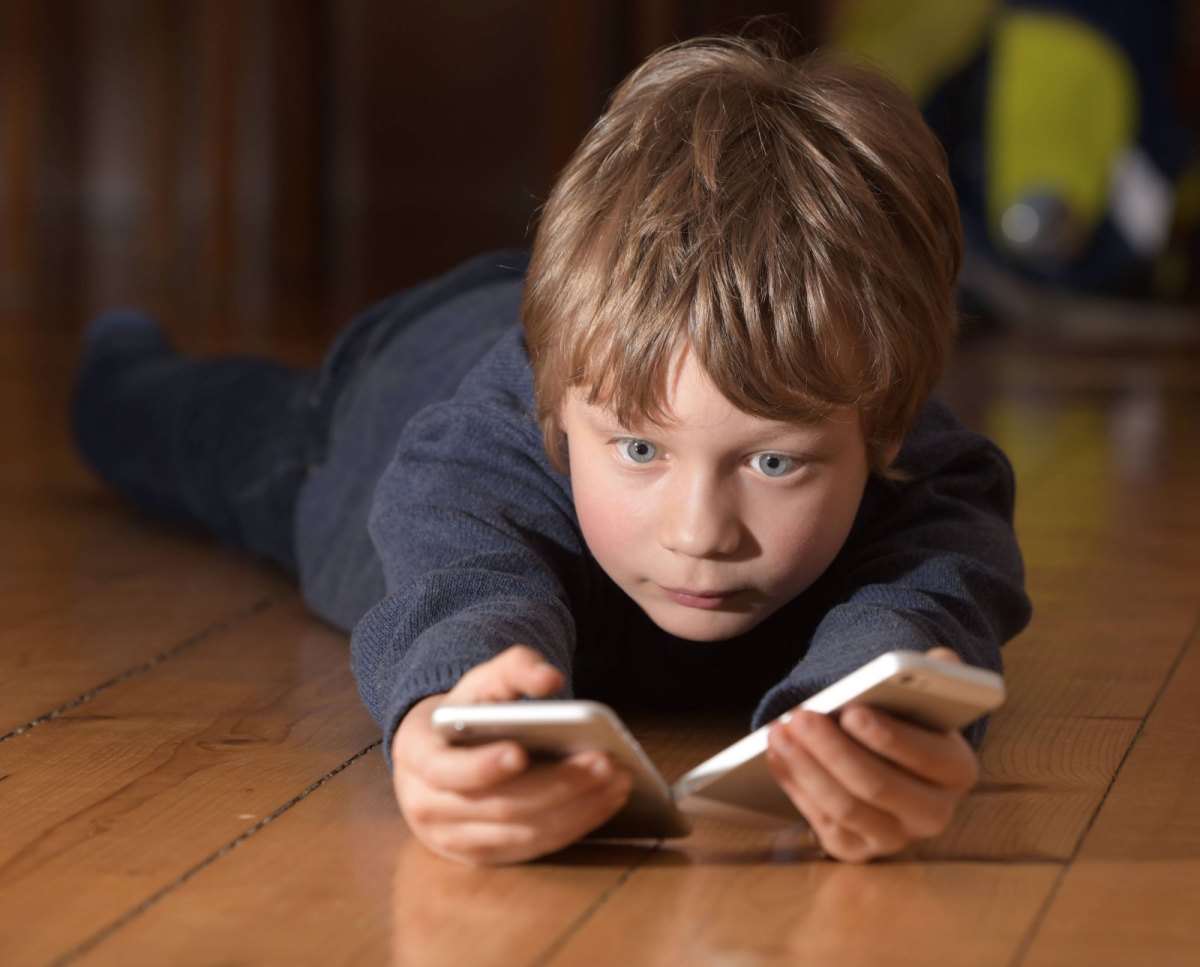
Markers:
{"x": 874, "y": 783}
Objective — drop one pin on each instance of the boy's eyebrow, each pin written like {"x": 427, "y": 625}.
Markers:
{"x": 602, "y": 418}
{"x": 812, "y": 438}
{"x": 617, "y": 428}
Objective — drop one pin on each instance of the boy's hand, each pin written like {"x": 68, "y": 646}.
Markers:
{"x": 489, "y": 804}
{"x": 874, "y": 783}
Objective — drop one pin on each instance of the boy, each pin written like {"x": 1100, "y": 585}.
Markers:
{"x": 701, "y": 470}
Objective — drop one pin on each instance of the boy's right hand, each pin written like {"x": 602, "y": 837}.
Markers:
{"x": 488, "y": 804}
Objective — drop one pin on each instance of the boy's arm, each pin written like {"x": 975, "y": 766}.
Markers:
{"x": 480, "y": 552}
{"x": 479, "y": 549}
{"x": 932, "y": 561}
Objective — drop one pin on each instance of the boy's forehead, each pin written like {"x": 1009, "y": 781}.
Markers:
{"x": 700, "y": 402}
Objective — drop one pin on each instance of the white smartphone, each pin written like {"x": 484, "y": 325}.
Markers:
{"x": 560, "y": 728}
{"x": 737, "y": 784}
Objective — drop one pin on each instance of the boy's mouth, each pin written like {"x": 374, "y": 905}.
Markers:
{"x": 705, "y": 600}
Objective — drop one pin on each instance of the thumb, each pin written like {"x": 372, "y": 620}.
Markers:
{"x": 944, "y": 654}
{"x": 517, "y": 672}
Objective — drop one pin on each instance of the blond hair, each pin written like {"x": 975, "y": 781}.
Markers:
{"x": 790, "y": 223}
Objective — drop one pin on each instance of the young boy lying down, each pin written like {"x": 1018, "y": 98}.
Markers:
{"x": 683, "y": 455}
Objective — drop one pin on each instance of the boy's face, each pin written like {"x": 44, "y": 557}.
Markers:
{"x": 714, "y": 522}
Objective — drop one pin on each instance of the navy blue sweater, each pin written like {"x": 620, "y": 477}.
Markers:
{"x": 439, "y": 530}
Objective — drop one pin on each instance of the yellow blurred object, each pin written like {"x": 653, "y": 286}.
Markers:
{"x": 1062, "y": 106}
{"x": 919, "y": 42}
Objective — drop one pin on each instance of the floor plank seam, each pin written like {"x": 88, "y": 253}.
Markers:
{"x": 1022, "y": 949}
{"x": 226, "y": 624}
{"x": 547, "y": 955}
{"x": 89, "y": 944}
{"x": 1009, "y": 859}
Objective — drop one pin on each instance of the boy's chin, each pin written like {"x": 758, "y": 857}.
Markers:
{"x": 703, "y": 626}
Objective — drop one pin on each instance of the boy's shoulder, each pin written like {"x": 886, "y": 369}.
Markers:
{"x": 487, "y": 421}
{"x": 938, "y": 439}
{"x": 503, "y": 376}
{"x": 943, "y": 466}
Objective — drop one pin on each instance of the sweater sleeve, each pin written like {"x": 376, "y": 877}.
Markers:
{"x": 477, "y": 538}
{"x": 931, "y": 561}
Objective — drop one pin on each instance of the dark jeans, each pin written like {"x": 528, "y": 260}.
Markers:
{"x": 222, "y": 444}
{"x": 225, "y": 444}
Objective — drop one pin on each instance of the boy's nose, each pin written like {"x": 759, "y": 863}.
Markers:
{"x": 700, "y": 520}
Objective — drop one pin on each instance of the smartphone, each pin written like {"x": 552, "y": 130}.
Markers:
{"x": 555, "y": 729}
{"x": 736, "y": 784}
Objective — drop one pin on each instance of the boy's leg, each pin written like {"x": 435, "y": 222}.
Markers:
{"x": 224, "y": 444}
{"x": 227, "y": 443}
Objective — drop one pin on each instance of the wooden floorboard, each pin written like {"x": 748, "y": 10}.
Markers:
{"x": 363, "y": 890}
{"x": 93, "y": 636}
{"x": 1130, "y": 895}
{"x": 783, "y": 910}
{"x": 157, "y": 774}
{"x": 187, "y": 775}
{"x": 1081, "y": 680}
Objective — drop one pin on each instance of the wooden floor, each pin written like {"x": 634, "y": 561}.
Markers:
{"x": 186, "y": 775}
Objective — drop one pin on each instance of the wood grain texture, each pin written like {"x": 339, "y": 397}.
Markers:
{"x": 62, "y": 640}
{"x": 364, "y": 891}
{"x": 186, "y": 774}
{"x": 783, "y": 910}
{"x": 1131, "y": 891}
{"x": 106, "y": 804}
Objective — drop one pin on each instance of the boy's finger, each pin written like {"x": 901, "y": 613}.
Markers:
{"x": 805, "y": 768}
{"x": 494, "y": 842}
{"x": 515, "y": 673}
{"x": 943, "y": 759}
{"x": 848, "y": 827}
{"x": 834, "y": 840}
{"x": 535, "y": 794}
{"x": 944, "y": 654}
{"x": 459, "y": 769}
{"x": 916, "y": 806}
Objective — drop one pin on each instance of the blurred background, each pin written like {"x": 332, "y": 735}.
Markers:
{"x": 258, "y": 170}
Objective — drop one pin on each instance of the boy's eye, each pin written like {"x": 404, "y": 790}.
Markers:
{"x": 773, "y": 464}
{"x": 637, "y": 451}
